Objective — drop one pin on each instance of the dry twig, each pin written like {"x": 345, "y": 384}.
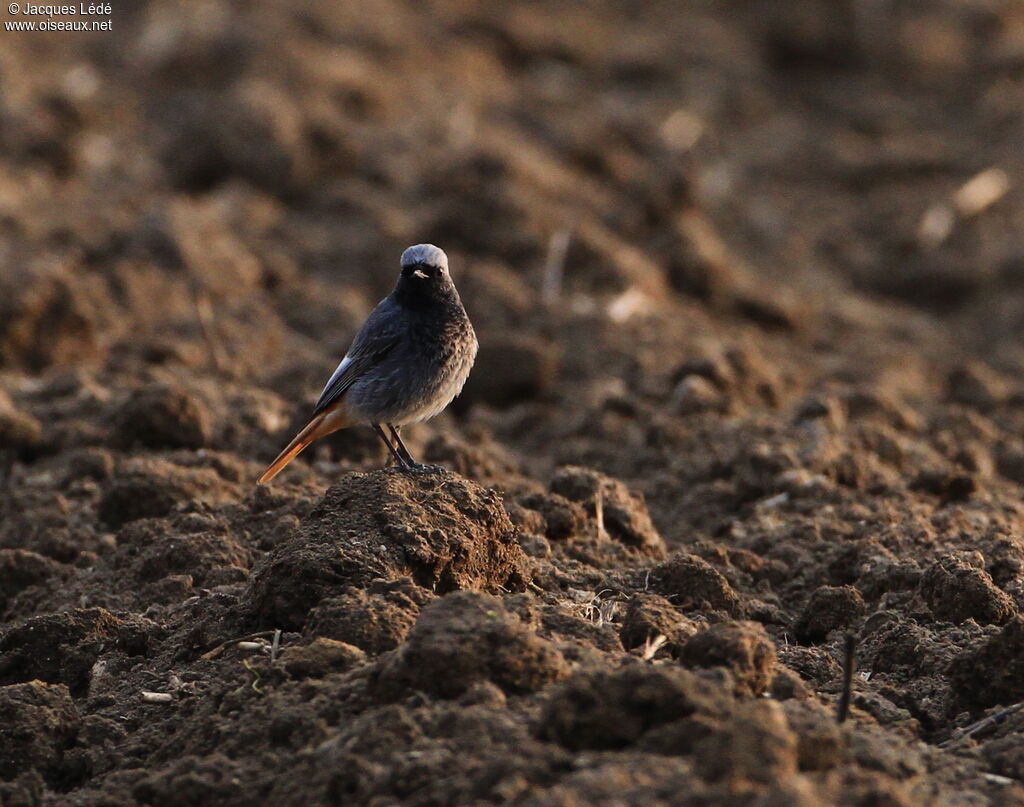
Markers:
{"x": 212, "y": 654}
{"x": 985, "y": 722}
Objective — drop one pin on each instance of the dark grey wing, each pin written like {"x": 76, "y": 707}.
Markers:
{"x": 378, "y": 336}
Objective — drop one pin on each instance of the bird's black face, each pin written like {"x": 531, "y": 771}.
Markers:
{"x": 425, "y": 273}
{"x": 424, "y": 280}
{"x": 425, "y": 283}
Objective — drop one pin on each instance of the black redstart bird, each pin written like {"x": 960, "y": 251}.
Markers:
{"x": 409, "y": 360}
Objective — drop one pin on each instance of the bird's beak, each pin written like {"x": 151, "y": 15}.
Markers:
{"x": 419, "y": 273}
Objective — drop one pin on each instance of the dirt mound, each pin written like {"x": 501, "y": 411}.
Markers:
{"x": 162, "y": 417}
{"x": 442, "y": 531}
{"x": 466, "y": 638}
{"x": 990, "y": 674}
{"x": 148, "y": 488}
{"x": 617, "y": 510}
{"x": 741, "y": 647}
{"x": 21, "y": 569}
{"x": 957, "y": 591}
{"x": 829, "y": 608}
{"x": 607, "y": 710}
{"x": 691, "y": 582}
{"x": 62, "y": 648}
{"x": 649, "y": 616}
{"x": 40, "y": 723}
{"x": 376, "y": 619}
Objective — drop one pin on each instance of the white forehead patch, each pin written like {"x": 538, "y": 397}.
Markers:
{"x": 425, "y": 253}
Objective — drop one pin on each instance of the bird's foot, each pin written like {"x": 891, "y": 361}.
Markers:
{"x": 423, "y": 468}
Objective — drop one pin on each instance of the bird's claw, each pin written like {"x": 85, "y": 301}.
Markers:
{"x": 423, "y": 468}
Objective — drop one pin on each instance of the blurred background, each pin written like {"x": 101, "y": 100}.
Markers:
{"x": 651, "y": 207}
{"x": 759, "y": 261}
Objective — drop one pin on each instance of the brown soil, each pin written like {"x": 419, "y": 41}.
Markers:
{"x": 776, "y": 398}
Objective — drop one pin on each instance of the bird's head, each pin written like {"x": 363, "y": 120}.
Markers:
{"x": 425, "y": 273}
{"x": 425, "y": 262}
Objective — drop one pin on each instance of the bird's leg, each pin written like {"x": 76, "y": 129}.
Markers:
{"x": 396, "y": 435}
{"x": 411, "y": 464}
{"x": 394, "y": 451}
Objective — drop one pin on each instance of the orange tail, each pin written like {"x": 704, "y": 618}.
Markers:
{"x": 323, "y": 424}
